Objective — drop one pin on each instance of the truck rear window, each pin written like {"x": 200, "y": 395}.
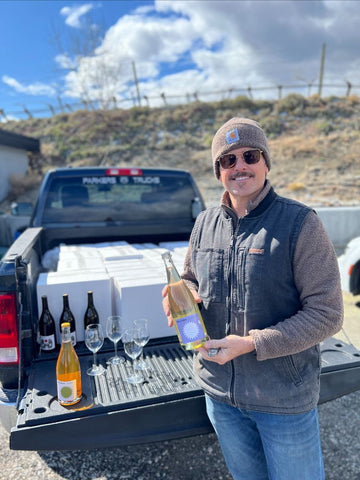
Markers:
{"x": 97, "y": 198}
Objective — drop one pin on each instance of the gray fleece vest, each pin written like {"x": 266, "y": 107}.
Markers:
{"x": 244, "y": 269}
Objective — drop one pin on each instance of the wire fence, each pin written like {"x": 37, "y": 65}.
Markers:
{"x": 274, "y": 92}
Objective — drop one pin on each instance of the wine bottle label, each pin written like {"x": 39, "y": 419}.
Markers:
{"x": 190, "y": 328}
{"x": 47, "y": 342}
{"x": 66, "y": 391}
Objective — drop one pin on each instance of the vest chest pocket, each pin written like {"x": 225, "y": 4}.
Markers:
{"x": 209, "y": 270}
{"x": 253, "y": 266}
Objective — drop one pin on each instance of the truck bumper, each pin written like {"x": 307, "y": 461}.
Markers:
{"x": 164, "y": 421}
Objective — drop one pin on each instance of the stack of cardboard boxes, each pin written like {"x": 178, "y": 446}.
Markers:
{"x": 125, "y": 279}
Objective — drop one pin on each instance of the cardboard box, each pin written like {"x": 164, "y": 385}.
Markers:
{"x": 141, "y": 298}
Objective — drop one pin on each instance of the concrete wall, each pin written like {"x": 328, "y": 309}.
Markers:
{"x": 341, "y": 223}
{"x": 12, "y": 160}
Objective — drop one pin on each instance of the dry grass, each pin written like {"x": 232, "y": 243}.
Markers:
{"x": 314, "y": 142}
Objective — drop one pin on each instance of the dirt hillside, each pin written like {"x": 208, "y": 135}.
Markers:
{"x": 315, "y": 143}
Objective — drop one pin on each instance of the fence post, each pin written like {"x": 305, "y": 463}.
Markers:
{"x": 280, "y": 91}
{"x": 162, "y": 95}
{"x": 322, "y": 64}
{"x": 51, "y": 108}
{"x": 349, "y": 85}
{"x": 136, "y": 83}
{"x": 60, "y": 104}
{"x": 2, "y": 113}
{"x": 29, "y": 114}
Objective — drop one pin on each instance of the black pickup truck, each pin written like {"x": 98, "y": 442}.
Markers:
{"x": 87, "y": 206}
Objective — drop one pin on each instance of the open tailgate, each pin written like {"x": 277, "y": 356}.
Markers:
{"x": 167, "y": 405}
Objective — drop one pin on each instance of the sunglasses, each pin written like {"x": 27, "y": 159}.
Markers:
{"x": 250, "y": 157}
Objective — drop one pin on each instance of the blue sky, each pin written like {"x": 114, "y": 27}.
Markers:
{"x": 178, "y": 48}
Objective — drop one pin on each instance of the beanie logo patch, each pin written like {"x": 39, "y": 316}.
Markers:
{"x": 232, "y": 136}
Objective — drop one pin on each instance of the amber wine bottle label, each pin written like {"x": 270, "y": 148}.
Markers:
{"x": 190, "y": 328}
{"x": 66, "y": 391}
{"x": 47, "y": 342}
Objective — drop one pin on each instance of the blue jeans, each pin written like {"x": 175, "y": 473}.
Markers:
{"x": 265, "y": 446}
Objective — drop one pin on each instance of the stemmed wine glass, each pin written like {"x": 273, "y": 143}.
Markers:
{"x": 114, "y": 330}
{"x": 141, "y": 324}
{"x": 94, "y": 340}
{"x": 133, "y": 349}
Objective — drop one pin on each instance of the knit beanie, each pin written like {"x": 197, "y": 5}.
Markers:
{"x": 238, "y": 132}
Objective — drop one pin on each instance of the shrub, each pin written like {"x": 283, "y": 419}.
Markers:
{"x": 19, "y": 184}
{"x": 272, "y": 126}
{"x": 324, "y": 127}
{"x": 293, "y": 103}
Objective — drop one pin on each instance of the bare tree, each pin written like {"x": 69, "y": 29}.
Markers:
{"x": 93, "y": 74}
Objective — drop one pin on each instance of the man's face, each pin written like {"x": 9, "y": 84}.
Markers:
{"x": 244, "y": 181}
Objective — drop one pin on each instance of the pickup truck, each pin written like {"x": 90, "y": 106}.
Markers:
{"x": 78, "y": 206}
{"x": 349, "y": 266}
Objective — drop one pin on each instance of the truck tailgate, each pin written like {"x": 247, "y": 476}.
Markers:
{"x": 112, "y": 412}
{"x": 167, "y": 405}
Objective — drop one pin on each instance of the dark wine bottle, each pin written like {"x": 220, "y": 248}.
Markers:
{"x": 46, "y": 327}
{"x": 68, "y": 317}
{"x": 91, "y": 315}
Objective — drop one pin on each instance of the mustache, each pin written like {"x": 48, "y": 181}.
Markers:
{"x": 241, "y": 175}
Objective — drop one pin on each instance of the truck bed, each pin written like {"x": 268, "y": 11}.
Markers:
{"x": 168, "y": 404}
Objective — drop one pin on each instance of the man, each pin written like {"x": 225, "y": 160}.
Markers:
{"x": 267, "y": 276}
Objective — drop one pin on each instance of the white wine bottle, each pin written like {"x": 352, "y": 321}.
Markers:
{"x": 68, "y": 374}
{"x": 184, "y": 310}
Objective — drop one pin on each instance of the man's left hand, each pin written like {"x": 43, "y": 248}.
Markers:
{"x": 229, "y": 347}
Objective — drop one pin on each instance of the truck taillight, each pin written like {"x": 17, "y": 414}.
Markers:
{"x": 9, "y": 347}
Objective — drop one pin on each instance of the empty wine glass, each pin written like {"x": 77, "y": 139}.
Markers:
{"x": 133, "y": 349}
{"x": 114, "y": 330}
{"x": 141, "y": 324}
{"x": 94, "y": 340}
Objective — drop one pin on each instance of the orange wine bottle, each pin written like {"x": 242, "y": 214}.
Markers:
{"x": 68, "y": 374}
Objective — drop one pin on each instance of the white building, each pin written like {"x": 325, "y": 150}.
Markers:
{"x": 14, "y": 150}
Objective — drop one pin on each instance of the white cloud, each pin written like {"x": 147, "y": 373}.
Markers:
{"x": 35, "y": 89}
{"x": 64, "y": 61}
{"x": 73, "y": 14}
{"x": 180, "y": 48}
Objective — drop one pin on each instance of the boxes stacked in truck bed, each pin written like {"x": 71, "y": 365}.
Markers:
{"x": 125, "y": 279}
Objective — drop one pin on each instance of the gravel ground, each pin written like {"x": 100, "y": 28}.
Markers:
{"x": 197, "y": 457}
{"x": 185, "y": 459}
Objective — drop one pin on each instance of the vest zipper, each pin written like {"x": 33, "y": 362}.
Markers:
{"x": 228, "y": 322}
